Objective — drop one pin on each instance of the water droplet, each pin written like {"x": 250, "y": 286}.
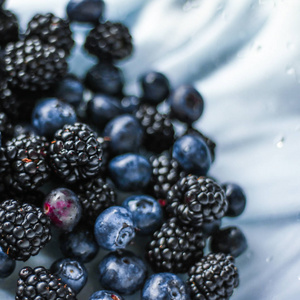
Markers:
{"x": 269, "y": 259}
{"x": 279, "y": 141}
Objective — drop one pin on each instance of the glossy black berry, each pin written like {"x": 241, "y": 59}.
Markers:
{"x": 9, "y": 27}
{"x": 236, "y": 199}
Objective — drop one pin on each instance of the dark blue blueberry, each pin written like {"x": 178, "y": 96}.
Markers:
{"x": 79, "y": 244}
{"x": 72, "y": 272}
{"x": 122, "y": 271}
{"x": 186, "y": 104}
{"x": 130, "y": 104}
{"x": 106, "y": 295}
{"x": 125, "y": 134}
{"x": 146, "y": 211}
{"x": 165, "y": 286}
{"x": 51, "y": 114}
{"x": 86, "y": 11}
{"x": 130, "y": 172}
{"x": 211, "y": 227}
{"x": 105, "y": 78}
{"x": 114, "y": 228}
{"x": 7, "y": 264}
{"x": 102, "y": 108}
{"x": 192, "y": 154}
{"x": 236, "y": 199}
{"x": 156, "y": 87}
{"x": 70, "y": 89}
{"x": 229, "y": 240}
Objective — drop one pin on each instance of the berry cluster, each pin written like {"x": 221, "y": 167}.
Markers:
{"x": 67, "y": 161}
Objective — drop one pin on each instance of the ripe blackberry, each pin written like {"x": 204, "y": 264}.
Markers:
{"x": 175, "y": 247}
{"x": 9, "y": 27}
{"x": 214, "y": 277}
{"x": 8, "y": 101}
{"x": 195, "y": 200}
{"x": 24, "y": 229}
{"x": 109, "y": 40}
{"x": 75, "y": 153}
{"x": 95, "y": 196}
{"x": 39, "y": 283}
{"x": 32, "y": 65}
{"x": 23, "y": 163}
{"x": 158, "y": 128}
{"x": 51, "y": 30}
{"x": 166, "y": 171}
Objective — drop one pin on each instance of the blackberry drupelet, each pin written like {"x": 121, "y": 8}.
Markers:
{"x": 195, "y": 200}
{"x": 51, "y": 30}
{"x": 175, "y": 247}
{"x": 24, "y": 229}
{"x": 75, "y": 153}
{"x": 95, "y": 196}
{"x": 9, "y": 27}
{"x": 23, "y": 163}
{"x": 158, "y": 128}
{"x": 32, "y": 65}
{"x": 214, "y": 277}
{"x": 39, "y": 283}
{"x": 109, "y": 40}
{"x": 166, "y": 171}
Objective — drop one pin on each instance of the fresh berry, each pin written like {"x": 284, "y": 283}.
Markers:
{"x": 130, "y": 172}
{"x": 146, "y": 212}
{"x": 39, "y": 283}
{"x": 209, "y": 228}
{"x": 24, "y": 229}
{"x": 236, "y": 199}
{"x": 122, "y": 271}
{"x": 125, "y": 134}
{"x": 50, "y": 114}
{"x": 106, "y": 295}
{"x": 51, "y": 30}
{"x": 63, "y": 207}
{"x": 215, "y": 276}
{"x": 165, "y": 286}
{"x": 195, "y": 200}
{"x": 6, "y": 128}
{"x": 75, "y": 154}
{"x": 71, "y": 272}
{"x": 109, "y": 40}
{"x": 130, "y": 104}
{"x": 7, "y": 264}
{"x": 9, "y": 27}
{"x": 114, "y": 228}
{"x": 175, "y": 247}
{"x": 8, "y": 100}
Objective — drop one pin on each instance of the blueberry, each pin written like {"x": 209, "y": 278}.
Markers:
{"x": 192, "y": 154}
{"x": 79, "y": 244}
{"x": 102, "y": 108}
{"x": 130, "y": 172}
{"x": 146, "y": 211}
{"x": 165, "y": 286}
{"x": 114, "y": 228}
{"x": 186, "y": 104}
{"x": 106, "y": 295}
{"x": 211, "y": 227}
{"x": 105, "y": 78}
{"x": 70, "y": 89}
{"x": 72, "y": 272}
{"x": 236, "y": 199}
{"x": 51, "y": 114}
{"x": 86, "y": 11}
{"x": 125, "y": 134}
{"x": 156, "y": 87}
{"x": 122, "y": 271}
{"x": 7, "y": 264}
{"x": 130, "y": 104}
{"x": 64, "y": 208}
{"x": 229, "y": 240}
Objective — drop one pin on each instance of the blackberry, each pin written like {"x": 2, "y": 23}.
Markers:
{"x": 8, "y": 101}
{"x": 39, "y": 283}
{"x": 75, "y": 153}
{"x": 24, "y": 229}
{"x": 6, "y": 128}
{"x": 158, "y": 128}
{"x": 32, "y": 65}
{"x": 9, "y": 27}
{"x": 23, "y": 163}
{"x": 51, "y": 30}
{"x": 195, "y": 200}
{"x": 175, "y": 247}
{"x": 95, "y": 196}
{"x": 109, "y": 40}
{"x": 214, "y": 277}
{"x": 166, "y": 171}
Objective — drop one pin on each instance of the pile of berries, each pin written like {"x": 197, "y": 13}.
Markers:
{"x": 66, "y": 162}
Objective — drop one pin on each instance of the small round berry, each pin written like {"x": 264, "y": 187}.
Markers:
{"x": 236, "y": 199}
{"x": 130, "y": 104}
{"x": 106, "y": 295}
{"x": 7, "y": 264}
